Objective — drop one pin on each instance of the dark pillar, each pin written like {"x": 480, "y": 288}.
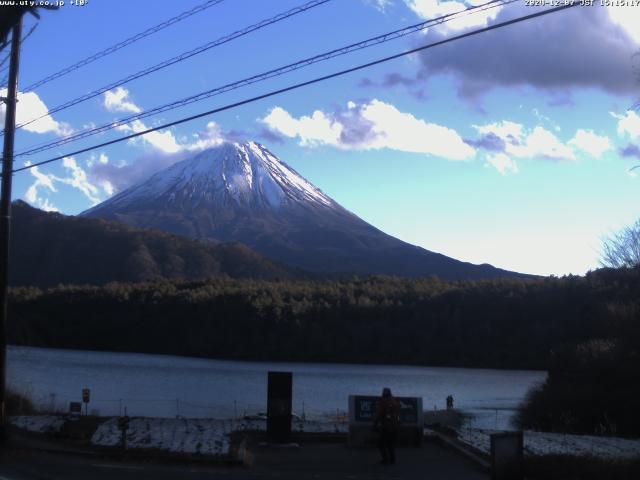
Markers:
{"x": 279, "y": 394}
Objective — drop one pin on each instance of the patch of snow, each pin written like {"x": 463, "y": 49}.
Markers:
{"x": 192, "y": 435}
{"x": 543, "y": 443}
{"x": 178, "y": 435}
{"x": 289, "y": 178}
{"x": 38, "y": 423}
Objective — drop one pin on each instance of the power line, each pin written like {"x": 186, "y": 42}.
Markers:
{"x": 124, "y": 43}
{"x": 263, "y": 76}
{"x": 3, "y": 82}
{"x": 182, "y": 57}
{"x": 304, "y": 84}
{"x": 4, "y": 60}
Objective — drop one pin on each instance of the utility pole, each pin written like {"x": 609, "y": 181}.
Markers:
{"x": 5, "y": 213}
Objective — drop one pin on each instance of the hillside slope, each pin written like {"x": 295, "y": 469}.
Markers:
{"x": 49, "y": 248}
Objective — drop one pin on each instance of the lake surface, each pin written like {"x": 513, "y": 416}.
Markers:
{"x": 166, "y": 386}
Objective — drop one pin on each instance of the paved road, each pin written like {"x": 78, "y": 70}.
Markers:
{"x": 309, "y": 461}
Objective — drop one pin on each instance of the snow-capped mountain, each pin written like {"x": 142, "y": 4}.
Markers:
{"x": 243, "y": 192}
{"x": 244, "y": 174}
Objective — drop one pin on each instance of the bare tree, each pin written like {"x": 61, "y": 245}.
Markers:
{"x": 623, "y": 248}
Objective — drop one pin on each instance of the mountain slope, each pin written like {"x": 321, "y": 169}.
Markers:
{"x": 242, "y": 192}
{"x": 49, "y": 248}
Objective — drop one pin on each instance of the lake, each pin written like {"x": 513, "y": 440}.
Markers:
{"x": 166, "y": 386}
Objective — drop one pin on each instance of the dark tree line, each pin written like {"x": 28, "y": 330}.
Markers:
{"x": 497, "y": 323}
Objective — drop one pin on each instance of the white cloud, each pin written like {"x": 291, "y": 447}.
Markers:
{"x": 429, "y": 9}
{"x": 318, "y": 129}
{"x": 588, "y": 141}
{"x": 507, "y": 131}
{"x": 503, "y": 163}
{"x": 628, "y": 124}
{"x": 515, "y": 141}
{"x": 42, "y": 180}
{"x": 107, "y": 187}
{"x": 627, "y": 17}
{"x": 46, "y": 205}
{"x": 370, "y": 126}
{"x": 163, "y": 141}
{"x": 402, "y": 131}
{"x": 542, "y": 143}
{"x": 520, "y": 143}
{"x": 211, "y": 137}
{"x": 79, "y": 180}
{"x": 379, "y": 4}
{"x": 92, "y": 160}
{"x": 30, "y": 107}
{"x": 118, "y": 101}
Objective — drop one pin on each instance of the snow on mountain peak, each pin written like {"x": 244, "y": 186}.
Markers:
{"x": 244, "y": 172}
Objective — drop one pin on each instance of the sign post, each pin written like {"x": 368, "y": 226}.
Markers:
{"x": 123, "y": 425}
{"x": 86, "y": 396}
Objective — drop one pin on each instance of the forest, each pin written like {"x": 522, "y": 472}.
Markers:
{"x": 496, "y": 323}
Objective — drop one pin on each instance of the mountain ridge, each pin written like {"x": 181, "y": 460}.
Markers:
{"x": 243, "y": 192}
{"x": 49, "y": 248}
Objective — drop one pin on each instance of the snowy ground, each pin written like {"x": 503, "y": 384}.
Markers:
{"x": 38, "y": 423}
{"x": 211, "y": 437}
{"x": 176, "y": 435}
{"x": 541, "y": 443}
{"x": 191, "y": 435}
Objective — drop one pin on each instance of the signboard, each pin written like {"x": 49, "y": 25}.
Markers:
{"x": 86, "y": 395}
{"x": 279, "y": 394}
{"x": 75, "y": 408}
{"x": 123, "y": 422}
{"x": 363, "y": 409}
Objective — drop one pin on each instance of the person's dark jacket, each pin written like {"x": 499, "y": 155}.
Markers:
{"x": 387, "y": 413}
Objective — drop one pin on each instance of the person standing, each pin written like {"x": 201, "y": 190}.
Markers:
{"x": 386, "y": 422}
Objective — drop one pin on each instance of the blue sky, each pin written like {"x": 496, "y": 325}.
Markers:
{"x": 512, "y": 148}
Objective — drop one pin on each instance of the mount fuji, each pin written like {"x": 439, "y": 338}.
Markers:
{"x": 243, "y": 192}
